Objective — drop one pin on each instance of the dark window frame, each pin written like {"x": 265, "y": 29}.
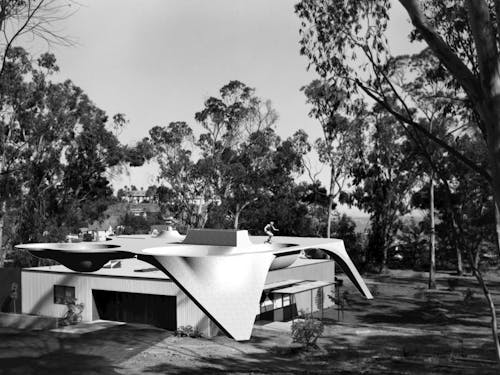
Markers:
{"x": 62, "y": 293}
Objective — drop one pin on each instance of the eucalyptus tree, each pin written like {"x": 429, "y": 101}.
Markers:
{"x": 347, "y": 40}
{"x": 236, "y": 124}
{"x": 341, "y": 139}
{"x": 383, "y": 175}
{"x": 440, "y": 108}
{"x": 55, "y": 152}
{"x": 172, "y": 147}
{"x": 22, "y": 20}
{"x": 256, "y": 171}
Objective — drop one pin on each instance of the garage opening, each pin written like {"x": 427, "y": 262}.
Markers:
{"x": 157, "y": 310}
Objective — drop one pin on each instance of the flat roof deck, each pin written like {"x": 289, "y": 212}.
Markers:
{"x": 139, "y": 269}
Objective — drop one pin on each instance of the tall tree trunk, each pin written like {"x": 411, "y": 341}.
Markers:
{"x": 494, "y": 151}
{"x": 330, "y": 202}
{"x": 497, "y": 227}
{"x": 491, "y": 306}
{"x": 484, "y": 92}
{"x": 3, "y": 213}
{"x": 454, "y": 228}
{"x": 432, "y": 250}
{"x": 237, "y": 216}
{"x": 454, "y": 238}
{"x": 460, "y": 267}
{"x": 477, "y": 258}
{"x": 383, "y": 265}
{"x": 239, "y": 210}
{"x": 385, "y": 250}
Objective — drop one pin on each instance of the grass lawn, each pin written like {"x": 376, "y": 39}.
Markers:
{"x": 404, "y": 330}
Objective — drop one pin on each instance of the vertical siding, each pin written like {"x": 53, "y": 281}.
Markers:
{"x": 38, "y": 292}
{"x": 37, "y": 287}
{"x": 38, "y": 295}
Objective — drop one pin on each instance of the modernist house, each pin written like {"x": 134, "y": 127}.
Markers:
{"x": 210, "y": 279}
{"x": 131, "y": 290}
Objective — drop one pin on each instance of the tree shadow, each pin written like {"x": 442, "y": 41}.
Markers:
{"x": 373, "y": 354}
{"x": 58, "y": 362}
{"x": 425, "y": 353}
{"x": 107, "y": 346}
{"x": 117, "y": 343}
{"x": 431, "y": 311}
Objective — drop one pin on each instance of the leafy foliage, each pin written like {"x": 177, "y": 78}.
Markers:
{"x": 133, "y": 224}
{"x": 383, "y": 177}
{"x": 307, "y": 331}
{"x": 241, "y": 161}
{"x": 55, "y": 152}
{"x": 187, "y": 331}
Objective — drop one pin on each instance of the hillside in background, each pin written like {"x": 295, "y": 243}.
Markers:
{"x": 118, "y": 210}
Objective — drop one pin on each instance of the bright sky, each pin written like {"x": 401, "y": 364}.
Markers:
{"x": 158, "y": 60}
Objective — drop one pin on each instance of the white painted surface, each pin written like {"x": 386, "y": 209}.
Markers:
{"x": 228, "y": 288}
{"x": 38, "y": 298}
{"x": 38, "y": 284}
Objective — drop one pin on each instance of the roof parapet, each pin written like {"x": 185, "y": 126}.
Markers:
{"x": 218, "y": 237}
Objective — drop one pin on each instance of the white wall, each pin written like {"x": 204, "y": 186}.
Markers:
{"x": 38, "y": 286}
{"x": 323, "y": 271}
{"x": 38, "y": 297}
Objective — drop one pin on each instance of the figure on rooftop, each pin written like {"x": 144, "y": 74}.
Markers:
{"x": 268, "y": 230}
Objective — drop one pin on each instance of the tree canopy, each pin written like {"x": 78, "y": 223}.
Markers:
{"x": 55, "y": 151}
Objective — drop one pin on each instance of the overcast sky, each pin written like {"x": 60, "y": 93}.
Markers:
{"x": 158, "y": 60}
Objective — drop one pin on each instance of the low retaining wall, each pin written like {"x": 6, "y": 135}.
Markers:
{"x": 28, "y": 322}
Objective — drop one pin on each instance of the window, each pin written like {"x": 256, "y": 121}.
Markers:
{"x": 151, "y": 269}
{"x": 266, "y": 305}
{"x": 63, "y": 293}
{"x": 278, "y": 301}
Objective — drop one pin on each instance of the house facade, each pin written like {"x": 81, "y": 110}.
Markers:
{"x": 131, "y": 290}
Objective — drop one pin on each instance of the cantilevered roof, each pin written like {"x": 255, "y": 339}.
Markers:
{"x": 279, "y": 284}
{"x": 303, "y": 287}
{"x": 223, "y": 272}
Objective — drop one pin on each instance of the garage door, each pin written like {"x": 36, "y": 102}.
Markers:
{"x": 153, "y": 309}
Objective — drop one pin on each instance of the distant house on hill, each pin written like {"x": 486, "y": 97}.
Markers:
{"x": 134, "y": 196}
{"x": 144, "y": 209}
{"x": 137, "y": 196}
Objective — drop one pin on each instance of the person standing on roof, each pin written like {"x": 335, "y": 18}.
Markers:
{"x": 268, "y": 230}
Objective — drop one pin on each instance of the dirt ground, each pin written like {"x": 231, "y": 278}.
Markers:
{"x": 404, "y": 330}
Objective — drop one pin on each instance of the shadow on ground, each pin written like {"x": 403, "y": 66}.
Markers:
{"x": 97, "y": 352}
{"x": 59, "y": 362}
{"x": 423, "y": 354}
{"x": 404, "y": 330}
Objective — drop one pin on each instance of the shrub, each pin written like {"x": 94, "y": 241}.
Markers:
{"x": 307, "y": 331}
{"x": 74, "y": 313}
{"x": 187, "y": 331}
